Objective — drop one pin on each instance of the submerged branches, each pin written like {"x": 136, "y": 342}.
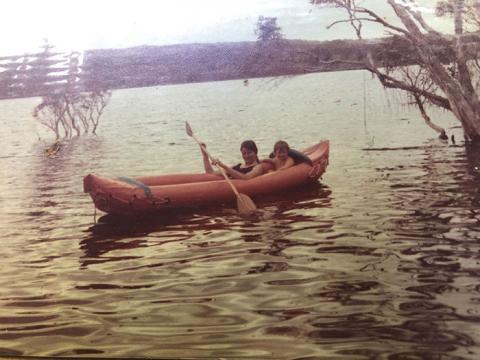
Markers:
{"x": 49, "y": 114}
{"x": 64, "y": 114}
{"x": 96, "y": 102}
{"x": 70, "y": 109}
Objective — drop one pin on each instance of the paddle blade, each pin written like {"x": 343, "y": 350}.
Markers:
{"x": 245, "y": 205}
{"x": 188, "y": 129}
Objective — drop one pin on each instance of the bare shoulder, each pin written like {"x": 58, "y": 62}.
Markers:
{"x": 258, "y": 169}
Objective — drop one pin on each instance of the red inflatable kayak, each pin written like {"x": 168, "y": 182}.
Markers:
{"x": 134, "y": 196}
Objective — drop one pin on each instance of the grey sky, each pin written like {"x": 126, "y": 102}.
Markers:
{"x": 94, "y": 24}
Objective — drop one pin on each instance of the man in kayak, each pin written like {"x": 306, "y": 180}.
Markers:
{"x": 249, "y": 169}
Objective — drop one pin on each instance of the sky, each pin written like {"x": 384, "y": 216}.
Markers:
{"x": 93, "y": 24}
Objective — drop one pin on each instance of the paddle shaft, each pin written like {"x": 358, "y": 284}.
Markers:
{"x": 222, "y": 170}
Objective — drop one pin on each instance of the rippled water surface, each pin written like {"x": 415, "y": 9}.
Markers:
{"x": 378, "y": 261}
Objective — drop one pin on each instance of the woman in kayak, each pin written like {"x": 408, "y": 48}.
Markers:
{"x": 249, "y": 169}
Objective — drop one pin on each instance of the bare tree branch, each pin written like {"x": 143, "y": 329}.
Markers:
{"x": 448, "y": 66}
{"x": 378, "y": 19}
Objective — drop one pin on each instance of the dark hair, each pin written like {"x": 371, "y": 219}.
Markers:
{"x": 281, "y": 145}
{"x": 250, "y": 145}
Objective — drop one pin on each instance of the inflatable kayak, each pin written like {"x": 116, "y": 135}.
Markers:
{"x": 136, "y": 196}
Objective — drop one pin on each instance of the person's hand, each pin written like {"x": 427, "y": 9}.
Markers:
{"x": 203, "y": 148}
{"x": 217, "y": 162}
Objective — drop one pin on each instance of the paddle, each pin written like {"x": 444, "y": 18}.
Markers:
{"x": 245, "y": 205}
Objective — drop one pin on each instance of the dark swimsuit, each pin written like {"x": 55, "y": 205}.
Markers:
{"x": 243, "y": 170}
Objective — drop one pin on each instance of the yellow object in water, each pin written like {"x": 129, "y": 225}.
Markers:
{"x": 52, "y": 150}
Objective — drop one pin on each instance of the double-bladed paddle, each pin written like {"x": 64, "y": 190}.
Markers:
{"x": 245, "y": 205}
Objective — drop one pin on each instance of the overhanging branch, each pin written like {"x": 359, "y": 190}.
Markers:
{"x": 390, "y": 82}
{"x": 393, "y": 83}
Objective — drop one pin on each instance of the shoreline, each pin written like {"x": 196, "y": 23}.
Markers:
{"x": 145, "y": 66}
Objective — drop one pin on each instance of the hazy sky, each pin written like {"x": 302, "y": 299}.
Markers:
{"x": 91, "y": 24}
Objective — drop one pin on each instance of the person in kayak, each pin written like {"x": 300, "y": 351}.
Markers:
{"x": 249, "y": 169}
{"x": 281, "y": 159}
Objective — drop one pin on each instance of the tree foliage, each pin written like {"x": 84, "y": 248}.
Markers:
{"x": 267, "y": 29}
{"x": 445, "y": 76}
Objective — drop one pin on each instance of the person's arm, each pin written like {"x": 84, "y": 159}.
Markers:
{"x": 206, "y": 160}
{"x": 289, "y": 163}
{"x": 268, "y": 161}
{"x": 256, "y": 171}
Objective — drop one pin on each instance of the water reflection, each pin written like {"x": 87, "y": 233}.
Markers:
{"x": 54, "y": 187}
{"x": 436, "y": 243}
{"x": 473, "y": 165}
{"x": 112, "y": 233}
{"x": 380, "y": 262}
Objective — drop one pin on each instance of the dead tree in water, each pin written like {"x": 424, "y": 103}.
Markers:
{"x": 450, "y": 78}
{"x": 49, "y": 113}
{"x": 89, "y": 108}
{"x": 70, "y": 109}
{"x": 64, "y": 114}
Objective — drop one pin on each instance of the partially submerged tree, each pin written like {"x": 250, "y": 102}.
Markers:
{"x": 64, "y": 114}
{"x": 447, "y": 66}
{"x": 69, "y": 108}
{"x": 89, "y": 108}
{"x": 267, "y": 29}
{"x": 49, "y": 113}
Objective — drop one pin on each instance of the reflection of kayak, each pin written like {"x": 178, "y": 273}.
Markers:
{"x": 146, "y": 194}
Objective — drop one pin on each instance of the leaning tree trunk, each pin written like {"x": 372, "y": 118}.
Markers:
{"x": 463, "y": 100}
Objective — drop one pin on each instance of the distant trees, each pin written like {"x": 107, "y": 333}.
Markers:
{"x": 260, "y": 56}
{"x": 67, "y": 109}
{"x": 267, "y": 29}
{"x": 28, "y": 75}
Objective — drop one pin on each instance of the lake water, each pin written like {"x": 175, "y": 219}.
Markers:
{"x": 379, "y": 261}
